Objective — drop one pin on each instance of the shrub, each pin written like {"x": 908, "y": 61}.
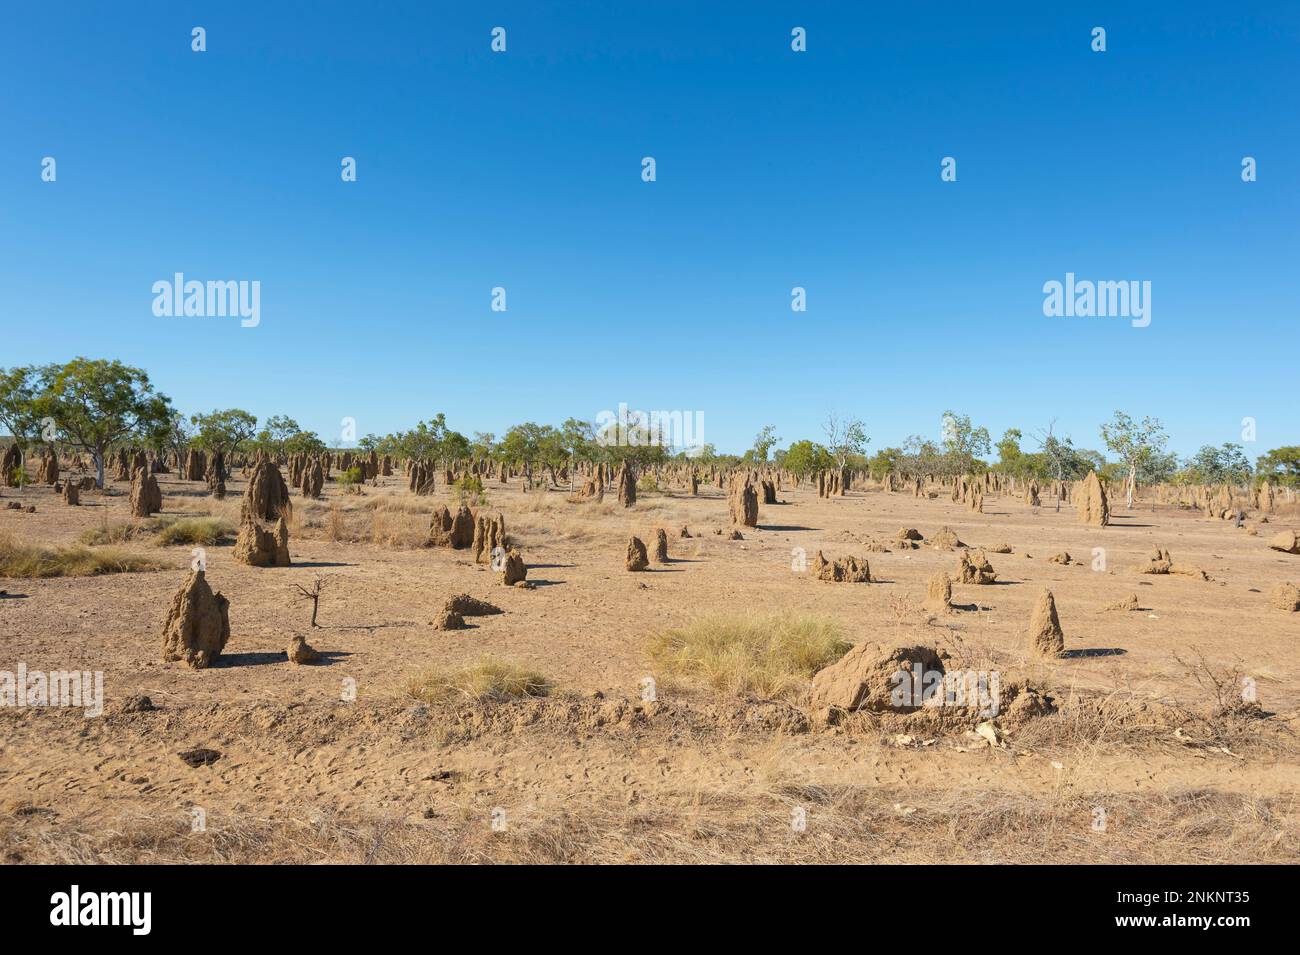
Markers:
{"x": 469, "y": 490}
{"x": 350, "y": 480}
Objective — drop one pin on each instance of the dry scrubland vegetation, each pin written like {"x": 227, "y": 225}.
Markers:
{"x": 608, "y": 666}
{"x": 772, "y": 656}
{"x": 539, "y": 710}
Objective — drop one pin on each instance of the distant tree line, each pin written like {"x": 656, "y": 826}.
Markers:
{"x": 95, "y": 405}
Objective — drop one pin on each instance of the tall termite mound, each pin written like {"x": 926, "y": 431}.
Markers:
{"x": 626, "y": 482}
{"x": 452, "y": 530}
{"x": 742, "y": 501}
{"x": 1090, "y": 501}
{"x": 267, "y": 496}
{"x": 198, "y": 624}
{"x": 146, "y": 497}
{"x": 1045, "y": 636}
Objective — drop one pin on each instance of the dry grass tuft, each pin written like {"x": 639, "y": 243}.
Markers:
{"x": 119, "y": 533}
{"x": 488, "y": 680}
{"x": 200, "y": 529}
{"x": 399, "y": 528}
{"x": 27, "y": 561}
{"x": 773, "y": 655}
{"x": 195, "y": 530}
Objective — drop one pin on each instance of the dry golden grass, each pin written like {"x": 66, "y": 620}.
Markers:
{"x": 771, "y": 655}
{"x": 166, "y": 531}
{"x": 195, "y": 530}
{"x": 698, "y": 775}
{"x": 399, "y": 528}
{"x": 489, "y": 679}
{"x": 402, "y": 505}
{"x": 845, "y": 824}
{"x": 117, "y": 533}
{"x": 25, "y": 560}
{"x": 335, "y": 528}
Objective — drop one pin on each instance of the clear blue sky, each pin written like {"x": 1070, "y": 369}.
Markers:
{"x": 775, "y": 169}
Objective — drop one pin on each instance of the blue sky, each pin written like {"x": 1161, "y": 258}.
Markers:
{"x": 775, "y": 169}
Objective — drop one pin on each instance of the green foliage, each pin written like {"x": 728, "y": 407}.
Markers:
{"x": 1159, "y": 468}
{"x": 483, "y": 444}
{"x": 18, "y": 418}
{"x": 708, "y": 454}
{"x": 962, "y": 444}
{"x": 1061, "y": 460}
{"x": 178, "y": 435}
{"x": 304, "y": 442}
{"x": 1015, "y": 462}
{"x": 1009, "y": 452}
{"x": 1281, "y": 465}
{"x": 920, "y": 456}
{"x": 1113, "y": 472}
{"x": 223, "y": 431}
{"x": 469, "y": 490}
{"x": 116, "y": 533}
{"x": 763, "y": 442}
{"x": 578, "y": 439}
{"x": 1223, "y": 465}
{"x": 844, "y": 438}
{"x": 529, "y": 443}
{"x": 349, "y": 480}
{"x": 806, "y": 457}
{"x": 632, "y": 443}
{"x": 95, "y": 403}
{"x": 1136, "y": 443}
{"x": 275, "y": 433}
{"x": 884, "y": 461}
{"x": 429, "y": 440}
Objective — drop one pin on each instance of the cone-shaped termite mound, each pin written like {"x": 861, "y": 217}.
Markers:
{"x": 198, "y": 624}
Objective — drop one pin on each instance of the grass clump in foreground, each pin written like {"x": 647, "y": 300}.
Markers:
{"x": 772, "y": 656}
{"x": 488, "y": 680}
{"x": 118, "y": 533}
{"x": 25, "y": 560}
{"x": 195, "y": 530}
{"x": 165, "y": 530}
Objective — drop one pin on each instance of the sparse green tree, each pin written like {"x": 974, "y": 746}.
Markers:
{"x": 763, "y": 442}
{"x": 1135, "y": 443}
{"x": 963, "y": 444}
{"x": 1222, "y": 465}
{"x": 304, "y": 442}
{"x": 224, "y": 431}
{"x": 94, "y": 403}
{"x": 1280, "y": 465}
{"x": 844, "y": 438}
{"x": 806, "y": 457}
